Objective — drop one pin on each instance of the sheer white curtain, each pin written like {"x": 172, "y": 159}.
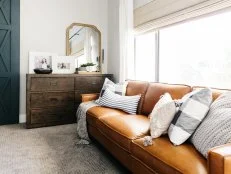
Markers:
{"x": 126, "y": 40}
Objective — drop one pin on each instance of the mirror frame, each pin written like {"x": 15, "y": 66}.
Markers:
{"x": 84, "y": 25}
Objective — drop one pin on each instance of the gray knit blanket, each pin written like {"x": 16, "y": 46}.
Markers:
{"x": 82, "y": 122}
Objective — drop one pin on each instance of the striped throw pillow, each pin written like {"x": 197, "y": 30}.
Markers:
{"x": 126, "y": 103}
{"x": 190, "y": 114}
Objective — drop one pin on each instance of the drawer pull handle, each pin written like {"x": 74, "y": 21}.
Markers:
{"x": 53, "y": 83}
{"x": 93, "y": 83}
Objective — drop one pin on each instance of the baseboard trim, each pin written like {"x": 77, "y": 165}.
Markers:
{"x": 22, "y": 118}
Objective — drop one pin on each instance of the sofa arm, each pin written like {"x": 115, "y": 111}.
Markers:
{"x": 219, "y": 160}
{"x": 89, "y": 97}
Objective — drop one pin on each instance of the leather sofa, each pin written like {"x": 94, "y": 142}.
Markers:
{"x": 122, "y": 135}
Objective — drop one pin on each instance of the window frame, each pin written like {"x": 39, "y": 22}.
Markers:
{"x": 158, "y": 36}
{"x": 156, "y": 54}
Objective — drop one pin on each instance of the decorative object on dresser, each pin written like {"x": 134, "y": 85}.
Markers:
{"x": 39, "y": 61}
{"x": 89, "y": 67}
{"x": 53, "y": 99}
{"x": 84, "y": 42}
{"x": 42, "y": 71}
{"x": 63, "y": 65}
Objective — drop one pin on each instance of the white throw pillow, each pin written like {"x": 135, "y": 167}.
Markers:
{"x": 162, "y": 115}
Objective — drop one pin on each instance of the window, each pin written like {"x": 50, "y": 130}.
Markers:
{"x": 197, "y": 52}
{"x": 145, "y": 57}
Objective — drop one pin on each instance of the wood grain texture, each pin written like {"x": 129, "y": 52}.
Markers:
{"x": 52, "y": 84}
{"x": 53, "y": 99}
{"x": 44, "y": 99}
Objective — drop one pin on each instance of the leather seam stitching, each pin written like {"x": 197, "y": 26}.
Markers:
{"x": 113, "y": 129}
{"x": 113, "y": 141}
{"x": 119, "y": 132}
{"x": 143, "y": 163}
{"x": 145, "y": 92}
{"x": 157, "y": 158}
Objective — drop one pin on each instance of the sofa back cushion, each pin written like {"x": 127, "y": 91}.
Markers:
{"x": 137, "y": 88}
{"x": 155, "y": 90}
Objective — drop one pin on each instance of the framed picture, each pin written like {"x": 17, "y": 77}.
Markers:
{"x": 63, "y": 65}
{"x": 41, "y": 60}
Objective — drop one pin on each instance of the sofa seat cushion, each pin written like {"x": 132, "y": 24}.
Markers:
{"x": 164, "y": 157}
{"x": 95, "y": 113}
{"x": 123, "y": 128}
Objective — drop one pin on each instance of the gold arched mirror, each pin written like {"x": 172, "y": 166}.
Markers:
{"x": 84, "y": 42}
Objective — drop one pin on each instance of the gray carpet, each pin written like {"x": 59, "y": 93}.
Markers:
{"x": 51, "y": 150}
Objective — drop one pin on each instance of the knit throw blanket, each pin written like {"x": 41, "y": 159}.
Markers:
{"x": 82, "y": 122}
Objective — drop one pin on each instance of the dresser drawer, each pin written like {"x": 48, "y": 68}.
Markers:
{"x": 51, "y": 115}
{"x": 52, "y": 84}
{"x": 47, "y": 99}
{"x": 52, "y": 99}
{"x": 91, "y": 84}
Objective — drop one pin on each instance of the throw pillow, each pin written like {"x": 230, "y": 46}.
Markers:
{"x": 162, "y": 115}
{"x": 118, "y": 88}
{"x": 190, "y": 114}
{"x": 126, "y": 103}
{"x": 215, "y": 130}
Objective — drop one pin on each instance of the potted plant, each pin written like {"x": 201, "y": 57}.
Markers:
{"x": 82, "y": 67}
{"x": 90, "y": 67}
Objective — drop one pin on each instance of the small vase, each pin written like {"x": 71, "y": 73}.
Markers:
{"x": 82, "y": 69}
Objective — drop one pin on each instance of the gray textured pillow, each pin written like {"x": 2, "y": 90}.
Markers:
{"x": 189, "y": 116}
{"x": 126, "y": 103}
{"x": 215, "y": 130}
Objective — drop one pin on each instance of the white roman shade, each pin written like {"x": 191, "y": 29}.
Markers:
{"x": 161, "y": 13}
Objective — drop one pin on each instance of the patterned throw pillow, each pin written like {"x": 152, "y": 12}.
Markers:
{"x": 162, "y": 115}
{"x": 126, "y": 103}
{"x": 118, "y": 88}
{"x": 190, "y": 114}
{"x": 215, "y": 130}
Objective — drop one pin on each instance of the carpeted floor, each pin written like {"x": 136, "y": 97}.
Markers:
{"x": 51, "y": 150}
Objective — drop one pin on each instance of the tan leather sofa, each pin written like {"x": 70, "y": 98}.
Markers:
{"x": 122, "y": 135}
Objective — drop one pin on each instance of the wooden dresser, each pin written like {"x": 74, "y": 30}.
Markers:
{"x": 53, "y": 99}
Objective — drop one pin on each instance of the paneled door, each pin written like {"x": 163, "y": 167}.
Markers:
{"x": 9, "y": 61}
